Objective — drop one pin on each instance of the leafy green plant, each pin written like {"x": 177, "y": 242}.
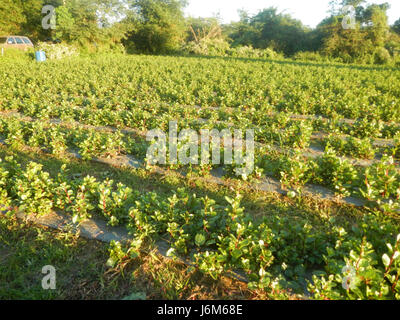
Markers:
{"x": 119, "y": 253}
{"x": 57, "y": 51}
{"x": 354, "y": 147}
{"x": 336, "y": 172}
{"x": 382, "y": 184}
{"x": 294, "y": 171}
{"x": 362, "y": 275}
{"x": 33, "y": 188}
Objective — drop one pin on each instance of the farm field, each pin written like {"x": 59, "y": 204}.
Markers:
{"x": 317, "y": 218}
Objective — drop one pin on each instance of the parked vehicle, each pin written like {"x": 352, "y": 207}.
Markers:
{"x": 16, "y": 42}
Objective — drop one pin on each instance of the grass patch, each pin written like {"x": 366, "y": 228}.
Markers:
{"x": 82, "y": 273}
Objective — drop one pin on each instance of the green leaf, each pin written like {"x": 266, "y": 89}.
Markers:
{"x": 75, "y": 218}
{"x": 229, "y": 200}
{"x": 171, "y": 252}
{"x": 111, "y": 262}
{"x": 386, "y": 260}
{"x": 396, "y": 255}
{"x": 200, "y": 239}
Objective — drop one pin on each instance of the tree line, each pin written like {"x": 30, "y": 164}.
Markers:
{"x": 160, "y": 27}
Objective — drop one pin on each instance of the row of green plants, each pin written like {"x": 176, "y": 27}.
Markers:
{"x": 353, "y": 260}
{"x": 275, "y": 253}
{"x": 57, "y": 139}
{"x": 379, "y": 183}
{"x": 357, "y": 148}
{"x": 366, "y": 126}
{"x": 278, "y": 128}
{"x": 118, "y": 81}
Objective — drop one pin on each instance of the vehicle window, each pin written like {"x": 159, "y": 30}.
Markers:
{"x": 3, "y": 40}
{"x": 19, "y": 41}
{"x": 11, "y": 41}
{"x": 26, "y": 40}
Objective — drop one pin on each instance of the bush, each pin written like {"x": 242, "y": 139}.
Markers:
{"x": 106, "y": 48}
{"x": 221, "y": 48}
{"x": 250, "y": 52}
{"x": 366, "y": 59}
{"x": 382, "y": 56}
{"x": 396, "y": 61}
{"x": 57, "y": 51}
{"x": 208, "y": 47}
{"x": 314, "y": 56}
{"x": 309, "y": 56}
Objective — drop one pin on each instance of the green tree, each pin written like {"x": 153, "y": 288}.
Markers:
{"x": 158, "y": 25}
{"x": 241, "y": 32}
{"x": 396, "y": 27}
{"x": 363, "y": 43}
{"x": 32, "y": 10}
{"x": 65, "y": 24}
{"x": 376, "y": 20}
{"x": 271, "y": 29}
{"x": 89, "y": 22}
{"x": 11, "y": 17}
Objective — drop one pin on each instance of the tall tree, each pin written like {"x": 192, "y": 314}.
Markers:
{"x": 12, "y": 17}
{"x": 89, "y": 22}
{"x": 367, "y": 39}
{"x": 271, "y": 29}
{"x": 376, "y": 20}
{"x": 396, "y": 27}
{"x": 32, "y": 10}
{"x": 159, "y": 25}
{"x": 344, "y": 43}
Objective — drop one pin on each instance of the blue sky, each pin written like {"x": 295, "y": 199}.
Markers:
{"x": 310, "y": 12}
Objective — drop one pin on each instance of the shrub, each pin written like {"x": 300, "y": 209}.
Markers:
{"x": 309, "y": 56}
{"x": 396, "y": 61}
{"x": 207, "y": 47}
{"x": 220, "y": 47}
{"x": 93, "y": 48}
{"x": 57, "y": 51}
{"x": 250, "y": 52}
{"x": 382, "y": 56}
